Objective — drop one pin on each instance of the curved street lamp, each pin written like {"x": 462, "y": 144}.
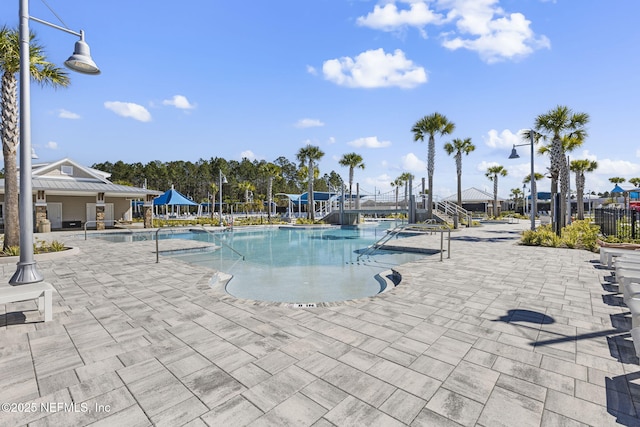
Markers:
{"x": 534, "y": 191}
{"x": 80, "y": 61}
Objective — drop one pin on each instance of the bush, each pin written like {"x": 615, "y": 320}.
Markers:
{"x": 577, "y": 235}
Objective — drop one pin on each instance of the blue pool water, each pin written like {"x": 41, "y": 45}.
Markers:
{"x": 298, "y": 265}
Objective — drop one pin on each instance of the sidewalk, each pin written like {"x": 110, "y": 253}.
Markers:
{"x": 497, "y": 335}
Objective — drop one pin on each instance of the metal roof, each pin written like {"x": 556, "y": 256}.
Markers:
{"x": 471, "y": 195}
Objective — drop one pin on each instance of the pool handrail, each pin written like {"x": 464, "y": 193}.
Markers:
{"x": 203, "y": 228}
{"x": 428, "y": 227}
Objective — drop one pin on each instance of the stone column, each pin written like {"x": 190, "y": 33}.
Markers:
{"x": 147, "y": 210}
{"x": 100, "y": 217}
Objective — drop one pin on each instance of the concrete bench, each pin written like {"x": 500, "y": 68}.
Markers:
{"x": 41, "y": 291}
{"x": 608, "y": 254}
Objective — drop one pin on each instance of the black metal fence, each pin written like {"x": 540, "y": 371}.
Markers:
{"x": 621, "y": 223}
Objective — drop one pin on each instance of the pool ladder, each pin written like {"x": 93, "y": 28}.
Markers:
{"x": 215, "y": 235}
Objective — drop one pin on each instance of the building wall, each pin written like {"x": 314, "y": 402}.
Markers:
{"x": 73, "y": 207}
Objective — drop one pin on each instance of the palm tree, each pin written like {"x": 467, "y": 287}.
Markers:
{"x": 431, "y": 125}
{"x": 309, "y": 155}
{"x": 635, "y": 182}
{"x": 459, "y": 147}
{"x": 42, "y": 72}
{"x": 272, "y": 171}
{"x": 557, "y": 124}
{"x": 516, "y": 193}
{"x": 492, "y": 173}
{"x": 213, "y": 190}
{"x": 352, "y": 160}
{"x": 533, "y": 185}
{"x": 246, "y": 187}
{"x": 405, "y": 178}
{"x": 397, "y": 183}
{"x": 618, "y": 180}
{"x": 580, "y": 167}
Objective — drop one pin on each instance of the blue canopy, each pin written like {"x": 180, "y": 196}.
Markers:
{"x": 173, "y": 198}
{"x": 617, "y": 189}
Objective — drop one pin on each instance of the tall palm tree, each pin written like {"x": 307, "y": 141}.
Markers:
{"x": 405, "y": 177}
{"x": 459, "y": 147}
{"x": 272, "y": 171}
{"x": 537, "y": 176}
{"x": 635, "y": 182}
{"x": 492, "y": 173}
{"x": 397, "y": 183}
{"x": 431, "y": 125}
{"x": 352, "y": 161}
{"x": 309, "y": 155}
{"x": 45, "y": 74}
{"x": 580, "y": 167}
{"x": 557, "y": 124}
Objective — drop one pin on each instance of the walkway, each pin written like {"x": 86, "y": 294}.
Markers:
{"x": 498, "y": 335}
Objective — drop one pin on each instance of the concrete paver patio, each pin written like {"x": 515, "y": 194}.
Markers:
{"x": 497, "y": 335}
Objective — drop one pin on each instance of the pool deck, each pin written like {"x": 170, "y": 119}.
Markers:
{"x": 497, "y": 335}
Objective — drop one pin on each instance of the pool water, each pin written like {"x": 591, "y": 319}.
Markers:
{"x": 298, "y": 265}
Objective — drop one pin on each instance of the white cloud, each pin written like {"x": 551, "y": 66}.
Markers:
{"x": 248, "y": 154}
{"x": 637, "y": 153}
{"x": 308, "y": 123}
{"x": 504, "y": 139}
{"x": 369, "y": 142}
{"x": 374, "y": 69}
{"x": 312, "y": 70}
{"x": 179, "y": 101}
{"x": 129, "y": 109}
{"x": 390, "y": 18}
{"x": 484, "y": 165}
{"x": 64, "y": 114}
{"x": 412, "y": 163}
{"x": 485, "y": 28}
{"x": 609, "y": 167}
{"x": 52, "y": 145}
{"x": 331, "y": 140}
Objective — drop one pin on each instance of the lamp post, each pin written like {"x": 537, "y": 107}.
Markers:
{"x": 514, "y": 155}
{"x": 524, "y": 199}
{"x": 80, "y": 61}
{"x": 221, "y": 180}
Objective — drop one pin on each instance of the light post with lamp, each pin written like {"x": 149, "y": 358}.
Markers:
{"x": 27, "y": 271}
{"x": 514, "y": 155}
{"x": 221, "y": 180}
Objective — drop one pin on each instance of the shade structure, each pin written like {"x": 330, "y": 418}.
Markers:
{"x": 618, "y": 189}
{"x": 173, "y": 198}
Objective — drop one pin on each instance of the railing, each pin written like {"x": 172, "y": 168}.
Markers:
{"x": 95, "y": 222}
{"x": 621, "y": 223}
{"x": 450, "y": 209}
{"x": 207, "y": 231}
{"x": 431, "y": 228}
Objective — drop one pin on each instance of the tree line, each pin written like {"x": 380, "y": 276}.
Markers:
{"x": 245, "y": 179}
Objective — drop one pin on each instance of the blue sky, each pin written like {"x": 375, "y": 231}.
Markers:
{"x": 258, "y": 79}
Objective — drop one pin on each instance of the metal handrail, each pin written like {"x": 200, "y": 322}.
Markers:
{"x": 213, "y": 234}
{"x": 95, "y": 222}
{"x": 398, "y": 229}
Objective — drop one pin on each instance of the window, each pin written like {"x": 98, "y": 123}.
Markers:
{"x": 66, "y": 170}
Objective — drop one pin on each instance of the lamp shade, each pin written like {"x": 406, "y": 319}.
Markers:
{"x": 81, "y": 61}
{"x": 514, "y": 154}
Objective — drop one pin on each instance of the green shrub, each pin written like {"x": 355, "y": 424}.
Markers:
{"x": 577, "y": 235}
{"x": 12, "y": 251}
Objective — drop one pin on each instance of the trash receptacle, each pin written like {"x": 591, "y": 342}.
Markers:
{"x": 44, "y": 226}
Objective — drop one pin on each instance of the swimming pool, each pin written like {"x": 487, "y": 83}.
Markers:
{"x": 297, "y": 265}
